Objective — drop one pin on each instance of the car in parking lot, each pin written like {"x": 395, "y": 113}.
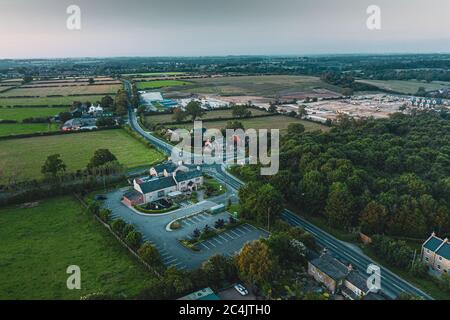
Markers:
{"x": 241, "y": 289}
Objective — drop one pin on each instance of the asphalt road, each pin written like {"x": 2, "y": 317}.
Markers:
{"x": 391, "y": 284}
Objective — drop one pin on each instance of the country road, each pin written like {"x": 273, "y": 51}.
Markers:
{"x": 391, "y": 284}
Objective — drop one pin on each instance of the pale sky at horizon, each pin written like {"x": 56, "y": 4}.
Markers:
{"x": 32, "y": 29}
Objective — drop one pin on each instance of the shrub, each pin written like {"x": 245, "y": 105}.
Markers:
{"x": 175, "y": 225}
{"x": 219, "y": 224}
{"x": 134, "y": 239}
{"x": 104, "y": 214}
{"x": 94, "y": 207}
{"x": 118, "y": 226}
{"x": 150, "y": 254}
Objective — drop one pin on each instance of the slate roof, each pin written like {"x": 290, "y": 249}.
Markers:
{"x": 330, "y": 266}
{"x": 444, "y": 251}
{"x": 157, "y": 184}
{"x": 358, "y": 280}
{"x": 433, "y": 243}
{"x": 168, "y": 166}
{"x": 183, "y": 176}
{"x": 132, "y": 195}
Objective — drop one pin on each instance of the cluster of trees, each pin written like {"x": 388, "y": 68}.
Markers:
{"x": 241, "y": 111}
{"x": 121, "y": 102}
{"x": 347, "y": 82}
{"x": 102, "y": 162}
{"x": 386, "y": 176}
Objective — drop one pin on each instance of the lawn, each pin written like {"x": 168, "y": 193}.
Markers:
{"x": 39, "y": 243}
{"x": 64, "y": 91}
{"x": 164, "y": 118}
{"x": 270, "y": 86}
{"x": 7, "y": 129}
{"x": 52, "y": 101}
{"x": 274, "y": 122}
{"x": 22, "y": 113}
{"x": 406, "y": 86}
{"x": 25, "y": 157}
{"x": 160, "y": 84}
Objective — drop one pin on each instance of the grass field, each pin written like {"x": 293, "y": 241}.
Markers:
{"x": 153, "y": 74}
{"x": 265, "y": 86}
{"x": 160, "y": 84}
{"x": 164, "y": 118}
{"x": 9, "y": 129}
{"x": 275, "y": 122}
{"x": 53, "y": 101}
{"x": 38, "y": 244}
{"x": 22, "y": 113}
{"x": 25, "y": 157}
{"x": 407, "y": 86}
{"x": 64, "y": 91}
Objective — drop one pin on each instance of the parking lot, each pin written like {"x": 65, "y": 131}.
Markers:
{"x": 153, "y": 229}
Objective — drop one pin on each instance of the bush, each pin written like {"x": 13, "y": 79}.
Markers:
{"x": 134, "y": 239}
{"x": 118, "y": 226}
{"x": 104, "y": 214}
{"x": 150, "y": 254}
{"x": 175, "y": 225}
{"x": 94, "y": 208}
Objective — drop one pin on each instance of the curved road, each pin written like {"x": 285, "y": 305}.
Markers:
{"x": 391, "y": 284}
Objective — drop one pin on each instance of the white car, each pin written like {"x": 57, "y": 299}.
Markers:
{"x": 241, "y": 289}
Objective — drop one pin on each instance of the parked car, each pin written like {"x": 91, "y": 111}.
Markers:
{"x": 100, "y": 197}
{"x": 241, "y": 289}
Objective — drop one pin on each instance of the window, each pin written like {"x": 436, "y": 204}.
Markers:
{"x": 161, "y": 193}
{"x": 428, "y": 251}
{"x": 440, "y": 258}
{"x": 426, "y": 259}
{"x": 439, "y": 267}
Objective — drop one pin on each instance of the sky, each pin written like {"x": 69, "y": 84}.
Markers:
{"x": 37, "y": 29}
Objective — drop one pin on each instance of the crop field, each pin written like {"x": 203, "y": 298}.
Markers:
{"x": 39, "y": 243}
{"x": 274, "y": 122}
{"x": 49, "y": 101}
{"x": 407, "y": 86}
{"x": 264, "y": 86}
{"x": 164, "y": 118}
{"x": 64, "y": 91}
{"x": 22, "y": 113}
{"x": 9, "y": 129}
{"x": 25, "y": 157}
{"x": 160, "y": 84}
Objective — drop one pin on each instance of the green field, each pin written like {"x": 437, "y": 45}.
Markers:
{"x": 406, "y": 86}
{"x": 53, "y": 101}
{"x": 271, "y": 86}
{"x": 22, "y": 113}
{"x": 39, "y": 243}
{"x": 160, "y": 84}
{"x": 274, "y": 122}
{"x": 153, "y": 74}
{"x": 64, "y": 91}
{"x": 7, "y": 129}
{"x": 25, "y": 157}
{"x": 164, "y": 118}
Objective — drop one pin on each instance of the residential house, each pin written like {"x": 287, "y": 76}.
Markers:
{"x": 163, "y": 184}
{"x": 204, "y": 294}
{"x": 436, "y": 253}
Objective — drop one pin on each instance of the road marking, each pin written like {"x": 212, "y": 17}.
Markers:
{"x": 248, "y": 229}
{"x": 236, "y": 234}
{"x": 168, "y": 262}
{"x": 228, "y": 235}
{"x": 209, "y": 242}
{"x": 221, "y": 237}
{"x": 204, "y": 245}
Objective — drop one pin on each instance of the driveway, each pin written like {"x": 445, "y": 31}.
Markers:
{"x": 153, "y": 229}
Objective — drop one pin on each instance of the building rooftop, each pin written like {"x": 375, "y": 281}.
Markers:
{"x": 432, "y": 243}
{"x": 330, "y": 266}
{"x": 157, "y": 183}
{"x": 168, "y": 166}
{"x": 444, "y": 251}
{"x": 204, "y": 294}
{"x": 358, "y": 280}
{"x": 183, "y": 176}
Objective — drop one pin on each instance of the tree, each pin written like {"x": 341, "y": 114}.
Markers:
{"x": 91, "y": 81}
{"x": 296, "y": 128}
{"x": 150, "y": 254}
{"x": 101, "y": 157}
{"x": 121, "y": 102}
{"x": 302, "y": 112}
{"x": 53, "y": 165}
{"x": 254, "y": 263}
{"x": 219, "y": 271}
{"x": 118, "y": 226}
{"x": 107, "y": 102}
{"x": 234, "y": 125}
{"x": 339, "y": 207}
{"x": 241, "y": 111}
{"x": 178, "y": 115}
{"x": 194, "y": 109}
{"x": 373, "y": 218}
{"x": 134, "y": 239}
{"x": 219, "y": 224}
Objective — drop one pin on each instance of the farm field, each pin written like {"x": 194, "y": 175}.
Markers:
{"x": 160, "y": 84}
{"x": 64, "y": 91}
{"x": 264, "y": 86}
{"x": 406, "y": 86}
{"x": 274, "y": 122}
{"x": 22, "y": 113}
{"x": 153, "y": 74}
{"x": 24, "y": 157}
{"x": 164, "y": 118}
{"x": 39, "y": 243}
{"x": 7, "y": 129}
{"x": 46, "y": 101}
